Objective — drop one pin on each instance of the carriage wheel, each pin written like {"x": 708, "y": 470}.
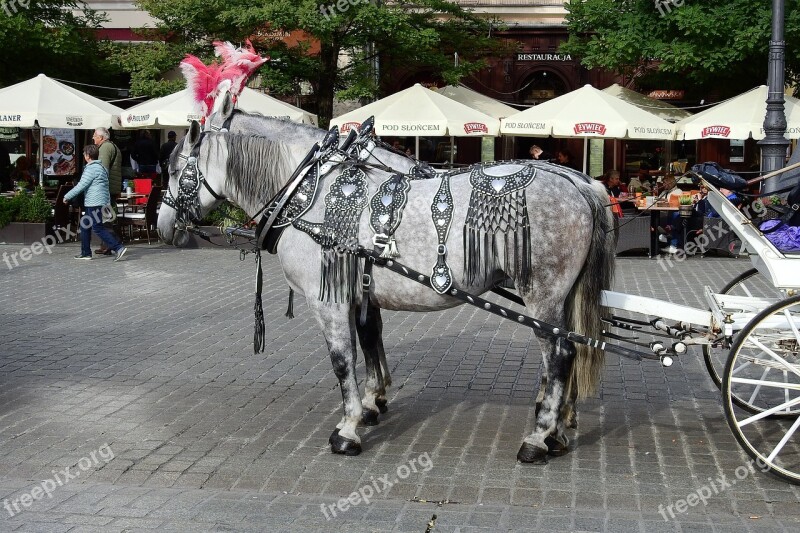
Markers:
{"x": 764, "y": 367}
{"x": 749, "y": 283}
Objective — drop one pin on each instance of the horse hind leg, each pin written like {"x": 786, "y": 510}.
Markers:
{"x": 370, "y": 336}
{"x": 548, "y": 436}
{"x": 338, "y": 326}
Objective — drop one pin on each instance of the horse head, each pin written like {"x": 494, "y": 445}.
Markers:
{"x": 192, "y": 190}
{"x": 220, "y": 119}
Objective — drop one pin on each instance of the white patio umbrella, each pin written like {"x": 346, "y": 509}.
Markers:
{"x": 178, "y": 110}
{"x": 588, "y": 112}
{"x": 52, "y": 104}
{"x": 476, "y": 100}
{"x": 420, "y": 112}
{"x": 658, "y": 108}
{"x": 47, "y": 103}
{"x": 739, "y": 118}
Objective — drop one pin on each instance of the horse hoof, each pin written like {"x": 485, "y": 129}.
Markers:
{"x": 343, "y": 445}
{"x": 381, "y": 403}
{"x": 531, "y": 454}
{"x": 555, "y": 448}
{"x": 369, "y": 417}
{"x": 572, "y": 423}
{"x": 333, "y": 436}
{"x": 537, "y": 409}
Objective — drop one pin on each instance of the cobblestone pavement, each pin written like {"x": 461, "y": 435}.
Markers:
{"x": 153, "y": 357}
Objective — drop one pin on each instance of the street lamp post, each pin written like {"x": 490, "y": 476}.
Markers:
{"x": 774, "y": 144}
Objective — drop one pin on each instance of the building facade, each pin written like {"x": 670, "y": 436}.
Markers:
{"x": 123, "y": 18}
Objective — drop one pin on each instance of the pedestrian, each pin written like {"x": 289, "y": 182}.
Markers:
{"x": 163, "y": 157}
{"x": 145, "y": 153}
{"x": 94, "y": 186}
{"x": 5, "y": 169}
{"x": 111, "y": 159}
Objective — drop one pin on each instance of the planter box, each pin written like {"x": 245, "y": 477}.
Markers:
{"x": 23, "y": 232}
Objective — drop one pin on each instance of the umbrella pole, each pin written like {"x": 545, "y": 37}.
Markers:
{"x": 615, "y": 155}
{"x": 585, "y": 153}
{"x": 452, "y": 150}
{"x": 41, "y": 150}
{"x": 416, "y": 147}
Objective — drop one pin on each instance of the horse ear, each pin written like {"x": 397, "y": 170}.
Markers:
{"x": 194, "y": 133}
{"x": 227, "y": 105}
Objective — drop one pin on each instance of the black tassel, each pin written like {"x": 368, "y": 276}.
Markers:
{"x": 258, "y": 334}
{"x": 290, "y": 309}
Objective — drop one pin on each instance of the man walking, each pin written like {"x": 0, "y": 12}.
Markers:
{"x": 145, "y": 153}
{"x": 163, "y": 157}
{"x": 111, "y": 159}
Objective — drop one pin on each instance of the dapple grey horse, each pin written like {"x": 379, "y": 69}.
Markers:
{"x": 572, "y": 257}
{"x": 378, "y": 377}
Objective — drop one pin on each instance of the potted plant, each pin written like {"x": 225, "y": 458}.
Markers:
{"x": 23, "y": 218}
{"x": 685, "y": 205}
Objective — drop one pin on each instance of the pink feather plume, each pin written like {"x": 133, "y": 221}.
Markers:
{"x": 238, "y": 64}
{"x": 204, "y": 80}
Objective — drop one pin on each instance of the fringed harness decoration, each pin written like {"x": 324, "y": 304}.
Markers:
{"x": 338, "y": 235}
{"x": 387, "y": 209}
{"x": 497, "y": 204}
{"x": 442, "y": 214}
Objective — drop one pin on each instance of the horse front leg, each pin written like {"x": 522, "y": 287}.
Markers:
{"x": 338, "y": 326}
{"x": 549, "y": 436}
{"x": 370, "y": 336}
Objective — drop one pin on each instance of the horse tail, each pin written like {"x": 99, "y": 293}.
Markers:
{"x": 582, "y": 308}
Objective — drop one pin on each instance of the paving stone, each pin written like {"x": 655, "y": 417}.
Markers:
{"x": 206, "y": 436}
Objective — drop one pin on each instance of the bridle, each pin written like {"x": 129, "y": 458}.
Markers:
{"x": 187, "y": 202}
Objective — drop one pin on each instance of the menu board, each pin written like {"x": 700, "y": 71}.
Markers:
{"x": 58, "y": 149}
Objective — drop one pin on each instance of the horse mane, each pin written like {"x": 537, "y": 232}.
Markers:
{"x": 256, "y": 114}
{"x": 257, "y": 167}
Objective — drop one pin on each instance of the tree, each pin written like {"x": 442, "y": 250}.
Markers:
{"x": 55, "y": 37}
{"x": 425, "y": 33}
{"x": 710, "y": 46}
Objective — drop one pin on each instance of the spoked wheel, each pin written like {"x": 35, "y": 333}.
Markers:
{"x": 764, "y": 368}
{"x": 749, "y": 283}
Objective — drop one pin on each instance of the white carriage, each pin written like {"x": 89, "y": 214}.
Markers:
{"x": 750, "y": 338}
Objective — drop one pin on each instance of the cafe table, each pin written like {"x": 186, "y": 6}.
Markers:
{"x": 125, "y": 198}
{"x": 655, "y": 211}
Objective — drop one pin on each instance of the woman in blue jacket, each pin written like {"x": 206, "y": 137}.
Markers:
{"x": 94, "y": 185}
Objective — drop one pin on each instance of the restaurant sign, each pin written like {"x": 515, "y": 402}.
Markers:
{"x": 9, "y": 134}
{"x": 715, "y": 131}
{"x": 74, "y": 121}
{"x": 674, "y": 94}
{"x": 476, "y": 127}
{"x": 347, "y": 126}
{"x": 543, "y": 57}
{"x": 591, "y": 128}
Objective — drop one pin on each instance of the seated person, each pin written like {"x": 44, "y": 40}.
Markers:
{"x": 539, "y": 154}
{"x": 669, "y": 188}
{"x": 612, "y": 183}
{"x": 22, "y": 174}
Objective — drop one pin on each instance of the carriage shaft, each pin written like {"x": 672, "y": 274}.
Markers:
{"x": 651, "y": 306}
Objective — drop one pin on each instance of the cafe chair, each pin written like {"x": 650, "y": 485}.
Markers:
{"x": 142, "y": 186}
{"x": 64, "y": 215}
{"x": 143, "y": 219}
